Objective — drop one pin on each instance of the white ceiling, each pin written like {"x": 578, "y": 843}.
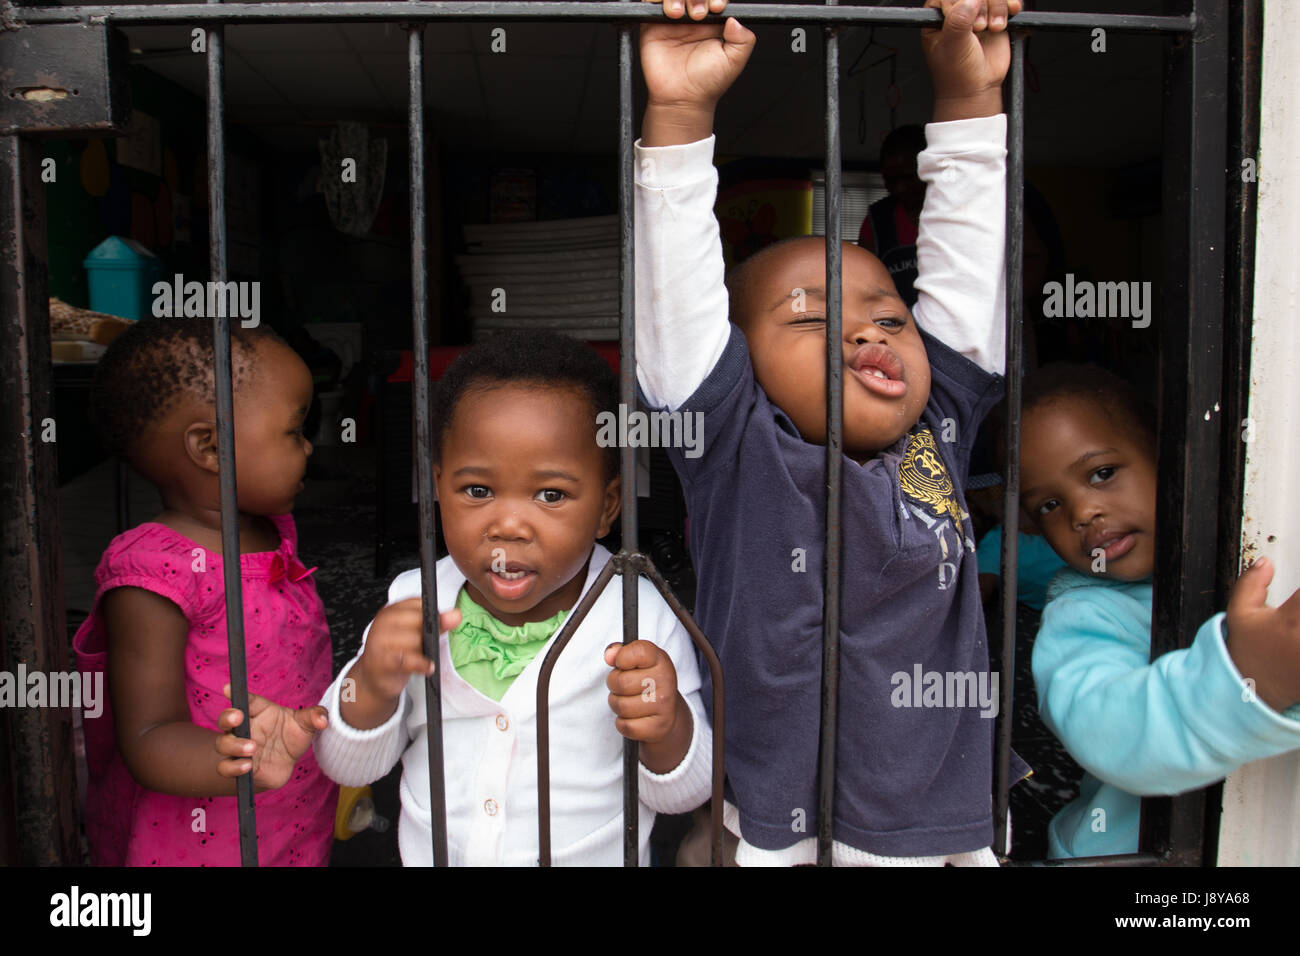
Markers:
{"x": 555, "y": 87}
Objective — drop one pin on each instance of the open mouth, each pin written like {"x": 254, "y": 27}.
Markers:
{"x": 1113, "y": 544}
{"x": 879, "y": 368}
{"x": 511, "y": 581}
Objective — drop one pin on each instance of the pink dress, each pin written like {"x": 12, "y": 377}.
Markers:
{"x": 287, "y": 649}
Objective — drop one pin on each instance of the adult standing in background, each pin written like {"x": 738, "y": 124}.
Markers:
{"x": 891, "y": 225}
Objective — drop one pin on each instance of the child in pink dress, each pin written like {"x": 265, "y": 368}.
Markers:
{"x": 162, "y": 761}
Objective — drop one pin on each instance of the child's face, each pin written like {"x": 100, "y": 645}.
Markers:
{"x": 270, "y": 450}
{"x": 523, "y": 495}
{"x": 786, "y": 334}
{"x": 1089, "y": 486}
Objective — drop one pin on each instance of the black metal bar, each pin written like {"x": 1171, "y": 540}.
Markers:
{"x": 1245, "y": 49}
{"x": 1191, "y": 342}
{"x": 79, "y": 68}
{"x": 1187, "y": 555}
{"x": 226, "y": 430}
{"x": 423, "y": 449}
{"x": 627, "y": 395}
{"x": 10, "y": 854}
{"x": 1011, "y": 464}
{"x": 834, "y": 460}
{"x": 643, "y": 563}
{"x": 575, "y": 618}
{"x": 31, "y": 584}
{"x": 561, "y": 11}
{"x": 629, "y": 566}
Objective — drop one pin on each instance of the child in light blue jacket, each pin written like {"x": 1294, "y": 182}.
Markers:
{"x": 1139, "y": 728}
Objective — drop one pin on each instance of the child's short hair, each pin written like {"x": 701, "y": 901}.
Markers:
{"x": 1121, "y": 402}
{"x": 545, "y": 359}
{"x": 741, "y": 275}
{"x": 149, "y": 366}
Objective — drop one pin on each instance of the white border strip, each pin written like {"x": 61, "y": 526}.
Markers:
{"x": 1261, "y": 802}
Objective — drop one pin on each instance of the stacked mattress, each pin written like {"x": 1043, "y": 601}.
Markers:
{"x": 558, "y": 274}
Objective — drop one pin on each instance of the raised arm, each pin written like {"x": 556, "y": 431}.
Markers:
{"x": 960, "y": 255}
{"x": 961, "y": 261}
{"x": 681, "y": 301}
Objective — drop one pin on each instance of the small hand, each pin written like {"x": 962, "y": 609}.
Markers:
{"x": 969, "y": 56}
{"x": 279, "y": 736}
{"x": 1263, "y": 641}
{"x": 395, "y": 648}
{"x": 643, "y": 691}
{"x": 692, "y": 66}
{"x": 687, "y": 69}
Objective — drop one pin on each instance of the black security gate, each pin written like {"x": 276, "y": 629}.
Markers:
{"x": 63, "y": 69}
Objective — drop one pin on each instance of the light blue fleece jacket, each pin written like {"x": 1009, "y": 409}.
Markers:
{"x": 1139, "y": 727}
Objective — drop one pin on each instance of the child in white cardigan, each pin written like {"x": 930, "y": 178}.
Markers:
{"x": 525, "y": 491}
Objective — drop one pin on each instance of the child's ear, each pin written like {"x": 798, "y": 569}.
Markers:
{"x": 437, "y": 476}
{"x": 612, "y": 506}
{"x": 201, "y": 445}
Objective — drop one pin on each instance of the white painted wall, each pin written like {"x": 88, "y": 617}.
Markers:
{"x": 1261, "y": 802}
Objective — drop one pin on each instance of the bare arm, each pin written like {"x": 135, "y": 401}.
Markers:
{"x": 161, "y": 747}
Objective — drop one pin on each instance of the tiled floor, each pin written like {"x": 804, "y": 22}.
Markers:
{"x": 336, "y": 520}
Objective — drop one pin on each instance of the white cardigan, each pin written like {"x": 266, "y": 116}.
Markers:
{"x": 490, "y": 748}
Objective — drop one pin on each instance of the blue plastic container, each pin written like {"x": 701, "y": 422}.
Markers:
{"x": 121, "y": 274}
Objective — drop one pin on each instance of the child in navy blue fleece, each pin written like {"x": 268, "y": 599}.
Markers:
{"x": 915, "y": 745}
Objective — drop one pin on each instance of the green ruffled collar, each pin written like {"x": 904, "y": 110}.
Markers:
{"x": 481, "y": 637}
